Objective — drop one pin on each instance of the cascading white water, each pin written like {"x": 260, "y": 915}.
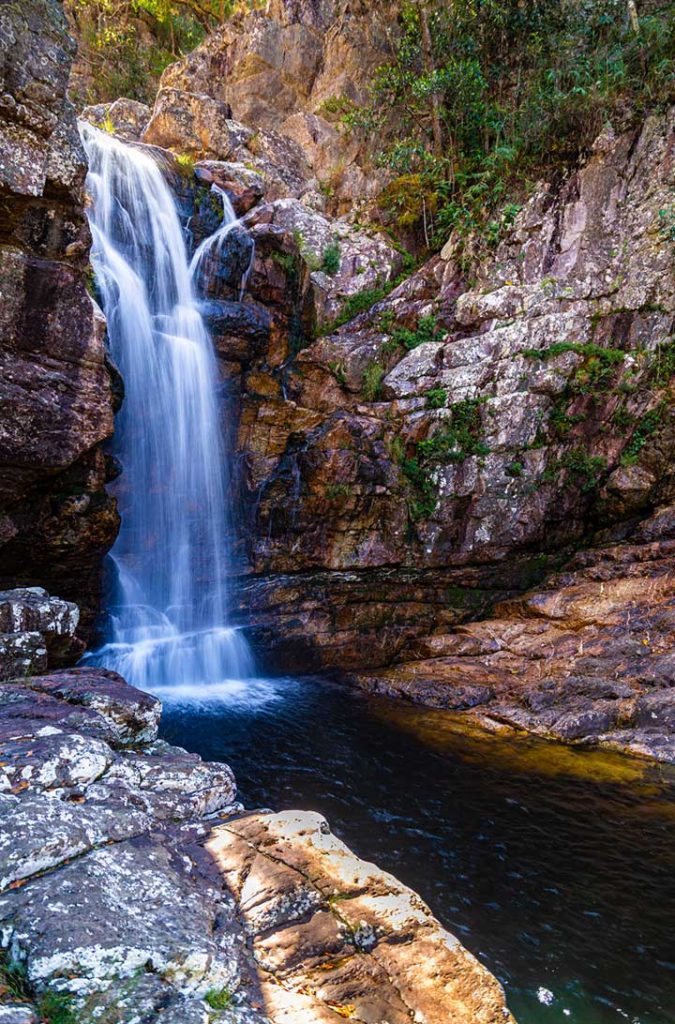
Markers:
{"x": 212, "y": 246}
{"x": 170, "y": 607}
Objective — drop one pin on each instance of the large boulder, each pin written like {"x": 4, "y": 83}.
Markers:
{"x": 131, "y": 883}
{"x": 294, "y": 70}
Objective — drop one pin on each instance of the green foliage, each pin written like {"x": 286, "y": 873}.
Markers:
{"x": 667, "y": 225}
{"x": 587, "y": 468}
{"x": 338, "y": 371}
{"x": 336, "y": 491}
{"x": 186, "y": 166}
{"x": 515, "y": 469}
{"x": 218, "y": 998}
{"x": 661, "y": 367}
{"x": 358, "y": 303}
{"x": 506, "y": 91}
{"x": 124, "y": 45}
{"x": 595, "y": 373}
{"x": 13, "y": 977}
{"x": 423, "y": 504}
{"x": 371, "y": 383}
{"x": 458, "y": 437}
{"x": 330, "y": 261}
{"x": 288, "y": 262}
{"x": 57, "y": 1008}
{"x": 645, "y": 428}
{"x": 426, "y": 330}
{"x": 436, "y": 398}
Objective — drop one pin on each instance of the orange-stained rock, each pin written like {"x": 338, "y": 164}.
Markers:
{"x": 333, "y": 936}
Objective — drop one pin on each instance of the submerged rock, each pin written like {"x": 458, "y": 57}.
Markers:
{"x": 130, "y": 883}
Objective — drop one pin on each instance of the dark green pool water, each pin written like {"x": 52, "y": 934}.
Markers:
{"x": 555, "y": 867}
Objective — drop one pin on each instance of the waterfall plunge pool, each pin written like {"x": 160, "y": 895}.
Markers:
{"x": 554, "y": 865}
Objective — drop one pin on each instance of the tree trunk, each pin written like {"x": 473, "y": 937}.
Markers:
{"x": 428, "y": 56}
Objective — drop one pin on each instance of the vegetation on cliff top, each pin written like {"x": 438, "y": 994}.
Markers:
{"x": 124, "y": 45}
{"x": 480, "y": 97}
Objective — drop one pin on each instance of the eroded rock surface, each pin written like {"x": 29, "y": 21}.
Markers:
{"x": 132, "y": 885}
{"x": 292, "y": 70}
{"x": 36, "y": 630}
{"x": 56, "y": 521}
{"x": 588, "y": 658}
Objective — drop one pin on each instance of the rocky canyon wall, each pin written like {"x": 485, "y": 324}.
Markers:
{"x": 412, "y": 449}
{"x": 56, "y": 521}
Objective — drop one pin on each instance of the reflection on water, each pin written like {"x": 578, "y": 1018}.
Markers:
{"x": 555, "y": 866}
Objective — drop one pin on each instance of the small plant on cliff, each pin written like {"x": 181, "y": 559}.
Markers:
{"x": 371, "y": 382}
{"x": 645, "y": 428}
{"x": 218, "y": 998}
{"x": 585, "y": 467}
{"x": 458, "y": 437}
{"x": 436, "y": 398}
{"x": 13, "y": 978}
{"x": 667, "y": 225}
{"x": 185, "y": 164}
{"x": 426, "y": 330}
{"x": 336, "y": 491}
{"x": 57, "y": 1008}
{"x": 330, "y": 262}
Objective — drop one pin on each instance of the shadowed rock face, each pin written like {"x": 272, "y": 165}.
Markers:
{"x": 132, "y": 884}
{"x": 56, "y": 521}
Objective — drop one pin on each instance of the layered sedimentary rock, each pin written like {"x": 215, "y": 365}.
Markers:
{"x": 471, "y": 436}
{"x": 403, "y": 468}
{"x": 56, "y": 521}
{"x": 132, "y": 885}
{"x": 587, "y": 658}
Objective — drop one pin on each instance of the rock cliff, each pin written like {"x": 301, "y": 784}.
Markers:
{"x": 56, "y": 521}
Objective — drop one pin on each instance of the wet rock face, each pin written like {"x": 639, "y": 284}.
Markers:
{"x": 55, "y": 400}
{"x": 131, "y": 883}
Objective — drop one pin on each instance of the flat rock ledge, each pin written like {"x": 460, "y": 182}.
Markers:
{"x": 134, "y": 888}
{"x": 588, "y": 658}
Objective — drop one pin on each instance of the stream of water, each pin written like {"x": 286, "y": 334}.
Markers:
{"x": 555, "y": 866}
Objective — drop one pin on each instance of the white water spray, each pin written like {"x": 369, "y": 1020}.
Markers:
{"x": 212, "y": 246}
{"x": 170, "y": 608}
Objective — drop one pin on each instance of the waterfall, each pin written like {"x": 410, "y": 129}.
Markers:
{"x": 169, "y": 608}
{"x": 212, "y": 246}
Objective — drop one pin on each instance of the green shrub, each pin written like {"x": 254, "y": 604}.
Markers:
{"x": 646, "y": 427}
{"x": 330, "y": 262}
{"x": 436, "y": 398}
{"x": 586, "y": 467}
{"x": 371, "y": 382}
{"x": 506, "y": 92}
{"x": 458, "y": 437}
{"x": 218, "y": 998}
{"x": 57, "y": 1008}
{"x": 426, "y": 330}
